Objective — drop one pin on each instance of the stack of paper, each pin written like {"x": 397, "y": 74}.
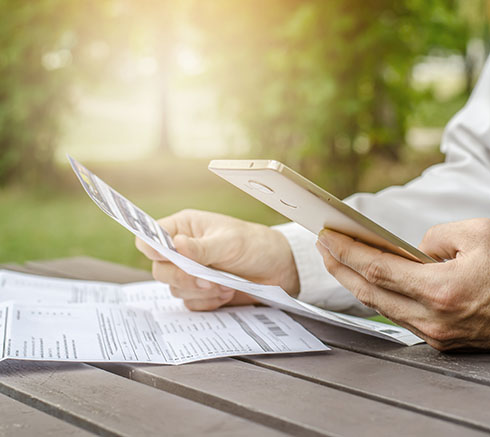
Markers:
{"x": 68, "y": 320}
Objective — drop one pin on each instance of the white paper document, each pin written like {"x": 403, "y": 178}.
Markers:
{"x": 68, "y": 320}
{"x": 148, "y": 230}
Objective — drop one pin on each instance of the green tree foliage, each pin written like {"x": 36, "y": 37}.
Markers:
{"x": 31, "y": 96}
{"x": 321, "y": 84}
{"x": 38, "y": 53}
{"x": 325, "y": 85}
{"x": 49, "y": 51}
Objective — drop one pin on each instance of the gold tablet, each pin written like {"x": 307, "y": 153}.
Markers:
{"x": 305, "y": 203}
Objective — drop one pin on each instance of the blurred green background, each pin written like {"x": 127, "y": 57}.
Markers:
{"x": 352, "y": 93}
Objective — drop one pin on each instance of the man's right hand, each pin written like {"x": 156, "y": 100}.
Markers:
{"x": 250, "y": 250}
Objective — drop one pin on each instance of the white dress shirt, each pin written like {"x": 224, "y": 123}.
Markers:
{"x": 455, "y": 190}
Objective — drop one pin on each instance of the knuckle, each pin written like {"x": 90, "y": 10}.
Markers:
{"x": 156, "y": 271}
{"x": 164, "y": 221}
{"x": 210, "y": 293}
{"x": 331, "y": 264}
{"x": 341, "y": 253}
{"x": 446, "y": 299}
{"x": 191, "y": 305}
{"x": 199, "y": 305}
{"x": 181, "y": 216}
{"x": 486, "y": 222}
{"x": 145, "y": 249}
{"x": 180, "y": 278}
{"x": 376, "y": 271}
{"x": 438, "y": 345}
{"x": 187, "y": 212}
{"x": 364, "y": 296}
{"x": 431, "y": 232}
{"x": 169, "y": 274}
{"x": 482, "y": 225}
{"x": 432, "y": 236}
{"x": 176, "y": 292}
{"x": 439, "y": 332}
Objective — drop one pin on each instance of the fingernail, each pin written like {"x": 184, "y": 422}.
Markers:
{"x": 319, "y": 245}
{"x": 325, "y": 237}
{"x": 226, "y": 289}
{"x": 202, "y": 283}
{"x": 227, "y": 295}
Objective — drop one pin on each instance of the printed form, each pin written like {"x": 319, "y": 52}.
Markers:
{"x": 68, "y": 320}
{"x": 148, "y": 230}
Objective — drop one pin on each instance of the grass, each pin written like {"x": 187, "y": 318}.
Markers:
{"x": 382, "y": 319}
{"x": 53, "y": 224}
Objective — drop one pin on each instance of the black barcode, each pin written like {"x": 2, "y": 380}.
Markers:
{"x": 271, "y": 326}
{"x": 389, "y": 331}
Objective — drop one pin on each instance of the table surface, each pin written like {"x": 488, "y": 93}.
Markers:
{"x": 363, "y": 386}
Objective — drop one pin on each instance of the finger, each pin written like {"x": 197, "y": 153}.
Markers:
{"x": 181, "y": 222}
{"x": 445, "y": 241}
{"x": 403, "y": 310}
{"x": 379, "y": 268}
{"x": 205, "y": 304}
{"x": 199, "y": 293}
{"x": 207, "y": 250}
{"x": 240, "y": 298}
{"x": 148, "y": 251}
{"x": 168, "y": 273}
{"x": 173, "y": 222}
{"x": 393, "y": 304}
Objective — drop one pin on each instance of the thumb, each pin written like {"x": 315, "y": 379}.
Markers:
{"x": 445, "y": 241}
{"x": 204, "y": 250}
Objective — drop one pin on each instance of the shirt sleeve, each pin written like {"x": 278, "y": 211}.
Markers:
{"x": 455, "y": 190}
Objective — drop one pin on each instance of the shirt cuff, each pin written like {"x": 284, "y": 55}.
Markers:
{"x": 317, "y": 286}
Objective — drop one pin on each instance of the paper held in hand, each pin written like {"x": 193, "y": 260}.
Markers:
{"x": 148, "y": 230}
{"x": 51, "y": 319}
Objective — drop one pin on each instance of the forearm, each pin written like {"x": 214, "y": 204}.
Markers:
{"x": 448, "y": 192}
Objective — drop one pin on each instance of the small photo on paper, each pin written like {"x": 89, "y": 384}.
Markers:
{"x": 125, "y": 208}
{"x": 139, "y": 221}
{"x": 92, "y": 188}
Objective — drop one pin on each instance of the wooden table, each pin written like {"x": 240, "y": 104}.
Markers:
{"x": 364, "y": 386}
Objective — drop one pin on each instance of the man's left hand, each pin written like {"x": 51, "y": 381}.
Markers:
{"x": 447, "y": 303}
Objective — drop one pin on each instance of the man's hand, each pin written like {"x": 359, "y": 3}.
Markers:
{"x": 253, "y": 251}
{"x": 447, "y": 304}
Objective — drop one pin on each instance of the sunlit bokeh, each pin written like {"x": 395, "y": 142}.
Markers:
{"x": 353, "y": 94}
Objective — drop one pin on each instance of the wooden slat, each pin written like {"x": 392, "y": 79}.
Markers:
{"x": 106, "y": 404}
{"x": 97, "y": 270}
{"x": 253, "y": 392}
{"x": 426, "y": 392}
{"x": 469, "y": 366}
{"x": 19, "y": 268}
{"x": 19, "y": 420}
{"x": 473, "y": 367}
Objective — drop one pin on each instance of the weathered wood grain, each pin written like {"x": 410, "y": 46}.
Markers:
{"x": 19, "y": 268}
{"x": 19, "y": 420}
{"x": 108, "y": 405}
{"x": 415, "y": 389}
{"x": 97, "y": 270}
{"x": 469, "y": 366}
{"x": 254, "y": 392}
